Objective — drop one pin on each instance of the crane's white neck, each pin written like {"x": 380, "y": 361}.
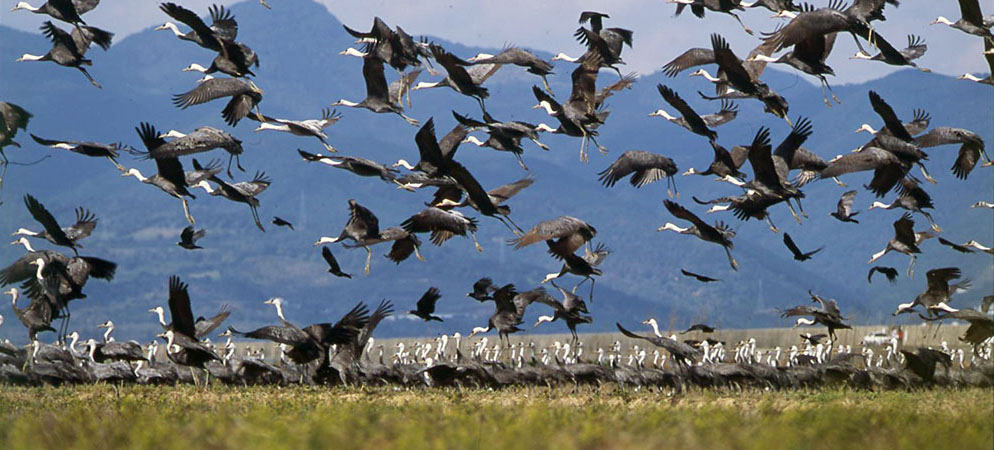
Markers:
{"x": 26, "y": 243}
{"x": 161, "y": 314}
{"x": 326, "y": 240}
{"x": 473, "y": 140}
{"x": 30, "y": 57}
{"x": 195, "y": 68}
{"x": 877, "y": 255}
{"x": 762, "y": 58}
{"x": 110, "y": 329}
{"x": 135, "y": 173}
{"x": 344, "y": 102}
{"x": 40, "y": 262}
{"x": 543, "y": 319}
{"x": 403, "y": 163}
{"x": 272, "y": 126}
{"x": 544, "y": 104}
{"x": 803, "y": 321}
{"x": 880, "y": 205}
{"x": 352, "y": 52}
{"x": 25, "y": 6}
{"x": 970, "y": 77}
{"x": 861, "y": 55}
{"x": 25, "y": 232}
{"x": 545, "y": 128}
{"x": 943, "y": 21}
{"x": 426, "y": 85}
{"x": 171, "y": 27}
{"x": 671, "y": 227}
{"x": 655, "y": 327}
{"x": 564, "y": 57}
{"x": 206, "y": 186}
{"x": 707, "y": 76}
{"x": 662, "y": 113}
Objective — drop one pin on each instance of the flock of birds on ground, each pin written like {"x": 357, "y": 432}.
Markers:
{"x": 344, "y": 352}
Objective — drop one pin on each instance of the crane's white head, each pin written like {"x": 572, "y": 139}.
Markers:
{"x": 544, "y": 104}
{"x": 107, "y": 324}
{"x": 205, "y": 185}
{"x": 943, "y": 21}
{"x": 970, "y": 77}
{"x": 133, "y": 172}
{"x": 195, "y": 68}
{"x": 403, "y": 163}
{"x": 25, "y": 242}
{"x": 352, "y": 52}
{"x": 157, "y": 310}
{"x": 274, "y": 301}
{"x": 473, "y": 140}
{"x": 661, "y": 113}
{"x": 40, "y": 262}
{"x": 480, "y": 56}
{"x": 24, "y": 232}
{"x": 425, "y": 85}
{"x": 564, "y": 57}
{"x": 784, "y": 14}
{"x": 861, "y": 55}
{"x": 29, "y": 57}
{"x": 169, "y": 26}
{"x": 880, "y": 205}
{"x": 205, "y": 78}
{"x": 867, "y": 128}
{"x": 690, "y": 171}
{"x": 344, "y": 102}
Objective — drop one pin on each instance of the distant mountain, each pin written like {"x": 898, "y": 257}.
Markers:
{"x": 301, "y": 73}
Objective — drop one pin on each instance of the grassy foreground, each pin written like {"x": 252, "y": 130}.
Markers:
{"x": 97, "y": 417}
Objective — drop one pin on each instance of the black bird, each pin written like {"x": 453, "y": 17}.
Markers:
{"x": 359, "y": 166}
{"x": 363, "y": 225}
{"x": 828, "y": 315}
{"x": 188, "y": 238}
{"x": 719, "y": 234}
{"x": 814, "y": 339}
{"x": 459, "y": 78}
{"x": 68, "y": 11}
{"x": 843, "y": 211}
{"x": 682, "y": 353}
{"x": 483, "y": 290}
{"x": 282, "y": 223}
{"x": 426, "y": 305}
{"x": 333, "y": 267}
{"x": 889, "y": 272}
{"x": 701, "y": 278}
{"x": 798, "y": 254}
{"x": 519, "y": 57}
{"x": 380, "y": 98}
{"x": 241, "y": 192}
{"x": 699, "y": 327}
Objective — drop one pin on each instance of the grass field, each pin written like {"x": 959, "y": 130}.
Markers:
{"x": 102, "y": 416}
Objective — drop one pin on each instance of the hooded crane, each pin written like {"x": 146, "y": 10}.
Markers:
{"x": 359, "y": 166}
{"x": 905, "y": 241}
{"x": 569, "y": 310}
{"x": 379, "y": 98}
{"x": 564, "y": 235}
{"x": 725, "y": 163}
{"x": 404, "y": 244}
{"x": 916, "y": 49}
{"x": 346, "y": 361}
{"x": 234, "y": 58}
{"x": 644, "y": 168}
{"x": 503, "y": 136}
{"x": 68, "y": 49}
{"x": 971, "y": 147}
{"x": 698, "y": 7}
{"x": 241, "y": 192}
{"x": 245, "y": 96}
{"x": 68, "y": 11}
{"x": 442, "y": 225}
{"x": 606, "y": 43}
{"x": 719, "y": 234}
{"x": 86, "y": 148}
{"x": 518, "y": 57}
{"x": 37, "y": 317}
{"x": 508, "y": 314}
{"x": 683, "y": 354}
{"x": 580, "y": 115}
{"x": 937, "y": 296}
{"x": 971, "y": 21}
{"x": 362, "y": 226}
{"x": 912, "y": 198}
{"x": 448, "y": 197}
{"x": 309, "y": 127}
{"x": 434, "y": 155}
{"x": 426, "y": 305}
{"x": 203, "y": 139}
{"x": 458, "y": 78}
{"x": 396, "y": 48}
{"x": 828, "y": 315}
{"x": 66, "y": 237}
{"x": 702, "y": 124}
{"x": 111, "y": 350}
{"x": 314, "y": 341}
{"x": 585, "y": 266}
{"x": 980, "y": 330}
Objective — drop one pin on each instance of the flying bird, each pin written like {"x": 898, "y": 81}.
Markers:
{"x": 889, "y": 272}
{"x": 798, "y": 254}
{"x": 282, "y": 223}
{"x": 188, "y": 238}
{"x": 333, "y": 267}
{"x": 701, "y": 278}
{"x": 426, "y": 305}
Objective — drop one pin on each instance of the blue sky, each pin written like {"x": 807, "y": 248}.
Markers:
{"x": 659, "y": 36}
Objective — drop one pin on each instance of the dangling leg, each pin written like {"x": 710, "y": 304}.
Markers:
{"x": 88, "y": 77}
{"x": 800, "y": 207}
{"x": 792, "y": 212}
{"x": 482, "y": 106}
{"x": 769, "y": 222}
{"x": 926, "y": 175}
{"x": 409, "y": 120}
{"x": 255, "y": 216}
{"x": 911, "y": 273}
{"x": 186, "y": 211}
{"x": 583, "y": 147}
{"x": 824, "y": 93}
{"x": 731, "y": 260}
{"x": 600, "y": 147}
{"x": 736, "y": 16}
{"x": 475, "y": 242}
{"x": 839, "y": 182}
{"x": 517, "y": 231}
{"x": 674, "y": 192}
{"x": 539, "y": 144}
{"x": 830, "y": 90}
{"x": 3, "y": 162}
{"x": 417, "y": 254}
{"x": 369, "y": 256}
{"x": 592, "y": 282}
{"x": 545, "y": 82}
{"x": 929, "y": 217}
{"x": 520, "y": 161}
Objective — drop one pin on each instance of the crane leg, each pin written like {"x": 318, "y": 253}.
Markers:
{"x": 736, "y": 16}
{"x": 255, "y": 216}
{"x": 592, "y": 282}
{"x": 521, "y": 162}
{"x": 417, "y": 254}
{"x": 839, "y": 182}
{"x": 926, "y": 175}
{"x": 475, "y": 242}
{"x": 934, "y": 226}
{"x": 731, "y": 260}
{"x": 186, "y": 211}
{"x": 800, "y": 207}
{"x": 600, "y": 148}
{"x": 369, "y": 256}
{"x": 409, "y": 120}
{"x": 773, "y": 227}
{"x": 583, "y": 147}
{"x": 792, "y": 212}
{"x": 88, "y": 77}
{"x": 540, "y": 144}
{"x": 116, "y": 164}
{"x": 911, "y": 273}
{"x": 545, "y": 83}
{"x": 482, "y": 106}
{"x": 3, "y": 162}
{"x": 829, "y": 87}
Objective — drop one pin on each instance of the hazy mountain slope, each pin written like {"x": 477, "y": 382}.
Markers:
{"x": 301, "y": 73}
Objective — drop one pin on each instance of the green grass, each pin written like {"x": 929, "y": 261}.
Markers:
{"x": 101, "y": 417}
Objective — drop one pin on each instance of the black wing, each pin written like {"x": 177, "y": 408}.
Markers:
{"x": 179, "y": 308}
